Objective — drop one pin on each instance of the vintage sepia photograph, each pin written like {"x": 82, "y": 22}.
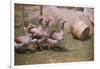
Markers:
{"x": 46, "y": 34}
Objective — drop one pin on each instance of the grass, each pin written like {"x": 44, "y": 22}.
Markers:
{"x": 76, "y": 50}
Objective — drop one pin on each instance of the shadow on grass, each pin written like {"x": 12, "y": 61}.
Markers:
{"x": 59, "y": 49}
{"x": 38, "y": 49}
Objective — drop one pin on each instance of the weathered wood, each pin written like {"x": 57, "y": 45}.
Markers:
{"x": 80, "y": 30}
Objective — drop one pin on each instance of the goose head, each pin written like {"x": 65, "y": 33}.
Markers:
{"x": 31, "y": 25}
{"x": 48, "y": 21}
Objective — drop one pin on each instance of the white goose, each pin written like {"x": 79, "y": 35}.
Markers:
{"x": 46, "y": 28}
{"x": 44, "y": 34}
{"x": 38, "y": 29}
{"x": 24, "y": 41}
{"x": 56, "y": 37}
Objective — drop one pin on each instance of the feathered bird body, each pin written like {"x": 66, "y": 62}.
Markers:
{"x": 56, "y": 37}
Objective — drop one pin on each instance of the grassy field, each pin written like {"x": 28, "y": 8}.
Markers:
{"x": 72, "y": 50}
{"x": 76, "y": 51}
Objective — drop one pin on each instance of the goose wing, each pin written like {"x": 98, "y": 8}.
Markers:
{"x": 58, "y": 36}
{"x": 51, "y": 41}
{"x": 18, "y": 45}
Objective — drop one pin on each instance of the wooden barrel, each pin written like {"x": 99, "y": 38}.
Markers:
{"x": 80, "y": 30}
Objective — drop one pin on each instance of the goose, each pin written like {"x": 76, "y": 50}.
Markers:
{"x": 43, "y": 31}
{"x": 46, "y": 28}
{"x": 23, "y": 39}
{"x": 22, "y": 42}
{"x": 56, "y": 37}
{"x": 44, "y": 34}
{"x": 38, "y": 29}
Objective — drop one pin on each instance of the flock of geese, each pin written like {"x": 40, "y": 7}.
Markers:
{"x": 35, "y": 35}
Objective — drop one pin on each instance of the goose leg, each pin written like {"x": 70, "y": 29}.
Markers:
{"x": 40, "y": 48}
{"x": 49, "y": 46}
